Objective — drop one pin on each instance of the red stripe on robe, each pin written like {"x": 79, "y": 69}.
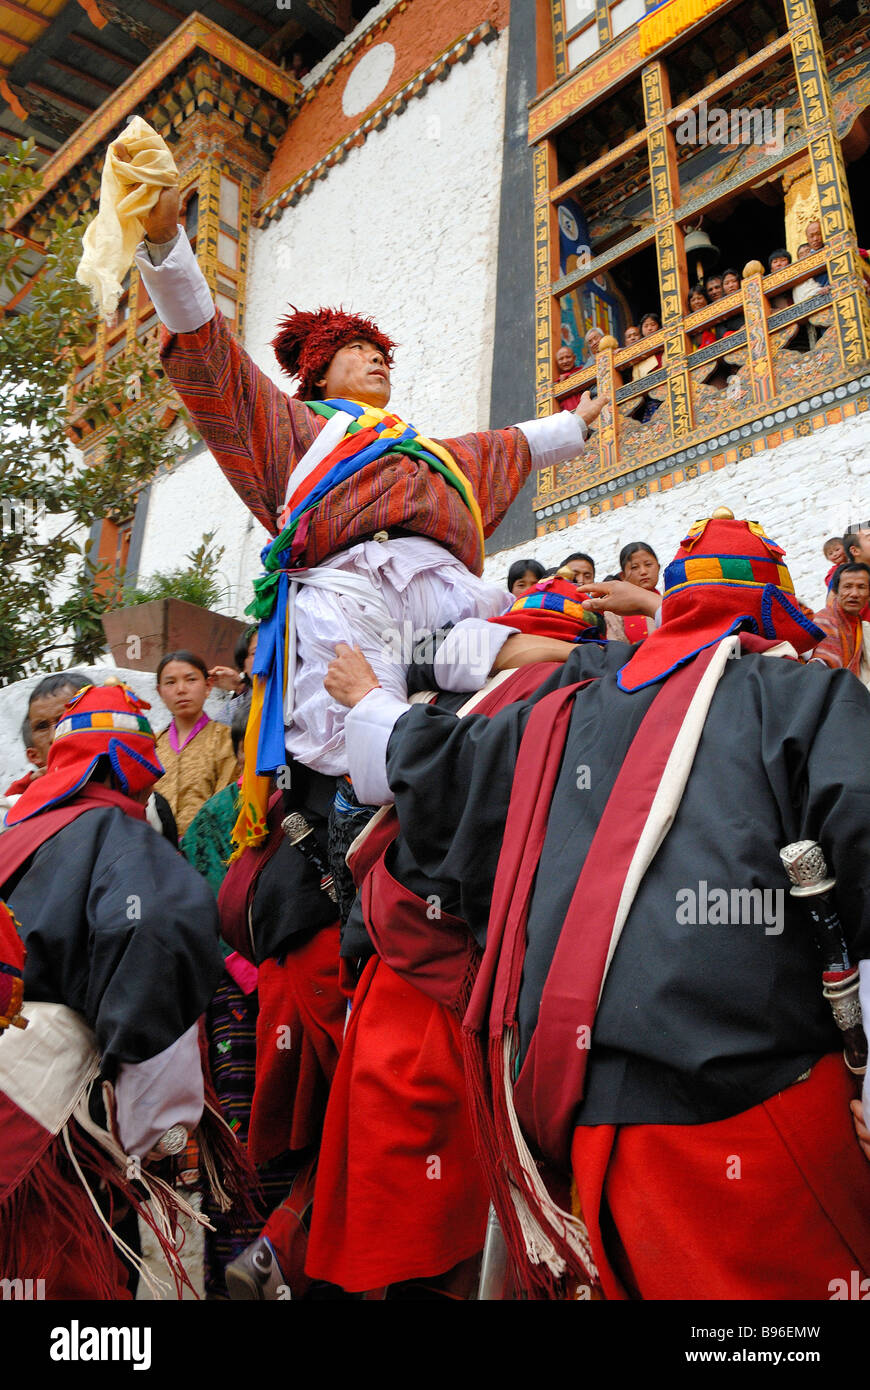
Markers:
{"x": 773, "y": 1203}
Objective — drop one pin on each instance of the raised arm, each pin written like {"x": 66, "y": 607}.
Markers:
{"x": 255, "y": 431}
{"x": 498, "y": 461}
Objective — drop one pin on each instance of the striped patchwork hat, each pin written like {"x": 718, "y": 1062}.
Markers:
{"x": 727, "y": 576}
{"x": 99, "y": 720}
{"x": 554, "y": 608}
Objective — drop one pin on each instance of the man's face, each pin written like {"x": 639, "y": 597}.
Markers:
{"x": 565, "y": 359}
{"x": 44, "y": 713}
{"x": 593, "y": 341}
{"x": 814, "y": 236}
{"x": 632, "y": 336}
{"x": 803, "y": 251}
{"x": 854, "y": 592}
{"x": 582, "y": 571}
{"x": 861, "y": 549}
{"x": 358, "y": 372}
{"x": 714, "y": 287}
{"x": 779, "y": 263}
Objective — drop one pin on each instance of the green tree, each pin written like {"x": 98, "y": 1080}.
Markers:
{"x": 48, "y": 496}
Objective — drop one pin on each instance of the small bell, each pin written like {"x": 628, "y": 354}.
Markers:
{"x": 700, "y": 253}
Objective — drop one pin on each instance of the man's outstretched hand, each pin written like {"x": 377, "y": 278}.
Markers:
{"x": 349, "y": 677}
{"x": 161, "y": 224}
{"x": 619, "y": 596}
{"x": 589, "y": 410}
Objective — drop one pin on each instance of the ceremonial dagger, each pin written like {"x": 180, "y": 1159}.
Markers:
{"x": 301, "y": 836}
{"x": 805, "y": 865}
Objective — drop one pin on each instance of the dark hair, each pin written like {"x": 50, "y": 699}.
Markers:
{"x": 804, "y": 244}
{"x": 651, "y": 314}
{"x": 832, "y": 540}
{"x": 632, "y": 548}
{"x": 240, "y": 723}
{"x": 240, "y": 650}
{"x": 51, "y": 685}
{"x": 190, "y": 658}
{"x": 851, "y": 538}
{"x": 519, "y": 568}
{"x": 717, "y": 275}
{"x": 850, "y": 568}
{"x": 698, "y": 289}
{"x": 731, "y": 271}
{"x": 579, "y": 555}
{"x": 781, "y": 252}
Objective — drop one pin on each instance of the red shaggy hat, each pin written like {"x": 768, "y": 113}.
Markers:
{"x": 307, "y": 341}
{"x": 726, "y": 577}
{"x": 99, "y": 719}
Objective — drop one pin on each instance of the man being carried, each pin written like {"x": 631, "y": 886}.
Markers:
{"x": 378, "y": 529}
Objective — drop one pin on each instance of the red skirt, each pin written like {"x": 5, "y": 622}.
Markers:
{"x": 400, "y": 1194}
{"x": 299, "y": 1035}
{"x": 773, "y": 1203}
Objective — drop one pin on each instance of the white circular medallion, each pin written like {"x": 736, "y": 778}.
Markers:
{"x": 368, "y": 79}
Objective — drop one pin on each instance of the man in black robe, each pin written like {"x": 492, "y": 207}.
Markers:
{"x": 690, "y": 1078}
{"x": 122, "y": 959}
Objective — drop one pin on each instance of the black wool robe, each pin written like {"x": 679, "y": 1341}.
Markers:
{"x": 120, "y": 928}
{"x": 698, "y": 1020}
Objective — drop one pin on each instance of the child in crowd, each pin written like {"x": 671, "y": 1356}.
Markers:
{"x": 522, "y": 575}
{"x": 196, "y": 752}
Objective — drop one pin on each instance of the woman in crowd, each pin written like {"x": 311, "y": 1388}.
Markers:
{"x": 522, "y": 575}
{"x": 196, "y": 753}
{"x": 639, "y": 564}
{"x": 697, "y": 301}
{"x": 730, "y": 285}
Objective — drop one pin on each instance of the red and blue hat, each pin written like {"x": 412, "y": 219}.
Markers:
{"x": 554, "y": 608}
{"x": 726, "y": 577}
{"x": 99, "y": 721}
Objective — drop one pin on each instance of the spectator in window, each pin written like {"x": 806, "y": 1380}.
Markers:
{"x": 778, "y": 260}
{"x": 632, "y": 336}
{"x": 814, "y": 285}
{"x": 847, "y": 635}
{"x": 592, "y": 342}
{"x": 730, "y": 285}
{"x": 649, "y": 324}
{"x": 638, "y": 564}
{"x": 196, "y": 752}
{"x": 815, "y": 241}
{"x": 697, "y": 301}
{"x": 566, "y": 365}
{"x": 714, "y": 288}
{"x": 523, "y": 575}
{"x": 298, "y": 66}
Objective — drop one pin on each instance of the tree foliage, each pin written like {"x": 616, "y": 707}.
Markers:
{"x": 51, "y": 594}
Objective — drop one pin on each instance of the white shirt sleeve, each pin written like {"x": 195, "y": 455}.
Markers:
{"x": 465, "y": 657}
{"x": 166, "y": 1090}
{"x": 367, "y": 730}
{"x": 554, "y": 438}
{"x": 178, "y": 289}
